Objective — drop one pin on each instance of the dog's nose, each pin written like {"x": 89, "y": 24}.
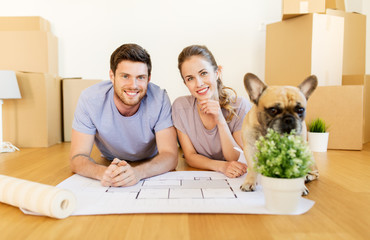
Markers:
{"x": 288, "y": 124}
{"x": 288, "y": 120}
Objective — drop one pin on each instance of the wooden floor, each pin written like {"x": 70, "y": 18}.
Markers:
{"x": 341, "y": 211}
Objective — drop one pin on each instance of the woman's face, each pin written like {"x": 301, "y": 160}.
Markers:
{"x": 200, "y": 78}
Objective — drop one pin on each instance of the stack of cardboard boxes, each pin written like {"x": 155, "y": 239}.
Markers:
{"x": 29, "y": 48}
{"x": 318, "y": 37}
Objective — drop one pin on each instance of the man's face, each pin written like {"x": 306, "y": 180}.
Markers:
{"x": 130, "y": 82}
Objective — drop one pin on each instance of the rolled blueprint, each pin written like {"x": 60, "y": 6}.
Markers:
{"x": 36, "y": 197}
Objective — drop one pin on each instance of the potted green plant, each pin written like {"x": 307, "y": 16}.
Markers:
{"x": 317, "y": 135}
{"x": 283, "y": 160}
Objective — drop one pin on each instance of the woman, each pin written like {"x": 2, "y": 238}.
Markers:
{"x": 208, "y": 122}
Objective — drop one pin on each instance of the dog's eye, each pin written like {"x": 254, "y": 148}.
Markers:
{"x": 273, "y": 111}
{"x": 299, "y": 110}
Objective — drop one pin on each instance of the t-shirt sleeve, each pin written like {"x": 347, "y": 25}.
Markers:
{"x": 241, "y": 110}
{"x": 82, "y": 121}
{"x": 178, "y": 114}
{"x": 165, "y": 119}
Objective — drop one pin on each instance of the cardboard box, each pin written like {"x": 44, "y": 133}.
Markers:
{"x": 24, "y": 24}
{"x": 342, "y": 109}
{"x": 335, "y": 4}
{"x": 363, "y": 80}
{"x": 35, "y": 119}
{"x": 302, "y": 46}
{"x": 354, "y": 45}
{"x": 29, "y": 51}
{"x": 72, "y": 89}
{"x": 294, "y": 8}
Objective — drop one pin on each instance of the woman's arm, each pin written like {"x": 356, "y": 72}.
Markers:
{"x": 228, "y": 141}
{"x": 230, "y": 169}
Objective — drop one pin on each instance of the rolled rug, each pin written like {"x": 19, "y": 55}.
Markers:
{"x": 36, "y": 197}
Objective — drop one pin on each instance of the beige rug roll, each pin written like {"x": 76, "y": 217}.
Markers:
{"x": 36, "y": 197}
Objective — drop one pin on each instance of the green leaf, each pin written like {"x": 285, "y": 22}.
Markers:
{"x": 317, "y": 125}
{"x": 282, "y": 155}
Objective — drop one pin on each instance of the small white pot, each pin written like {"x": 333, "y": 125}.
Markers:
{"x": 282, "y": 195}
{"x": 318, "y": 142}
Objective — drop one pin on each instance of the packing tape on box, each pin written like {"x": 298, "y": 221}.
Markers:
{"x": 36, "y": 197}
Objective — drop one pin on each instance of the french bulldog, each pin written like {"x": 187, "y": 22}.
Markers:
{"x": 281, "y": 108}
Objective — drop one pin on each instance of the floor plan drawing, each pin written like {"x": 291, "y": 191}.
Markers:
{"x": 172, "y": 192}
{"x": 196, "y": 188}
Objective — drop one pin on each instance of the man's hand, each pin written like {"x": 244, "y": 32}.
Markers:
{"x": 120, "y": 174}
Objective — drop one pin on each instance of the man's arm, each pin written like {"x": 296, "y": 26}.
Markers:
{"x": 167, "y": 157}
{"x": 164, "y": 161}
{"x": 80, "y": 160}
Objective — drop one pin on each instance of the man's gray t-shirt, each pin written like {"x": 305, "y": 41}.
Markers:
{"x": 128, "y": 138}
{"x": 206, "y": 142}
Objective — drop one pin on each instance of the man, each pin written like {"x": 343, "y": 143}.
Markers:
{"x": 129, "y": 118}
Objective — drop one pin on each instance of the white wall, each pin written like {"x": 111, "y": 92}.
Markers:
{"x": 90, "y": 30}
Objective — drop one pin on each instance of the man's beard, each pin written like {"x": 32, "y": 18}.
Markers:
{"x": 130, "y": 101}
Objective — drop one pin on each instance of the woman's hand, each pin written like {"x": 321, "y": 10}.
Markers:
{"x": 234, "y": 169}
{"x": 213, "y": 108}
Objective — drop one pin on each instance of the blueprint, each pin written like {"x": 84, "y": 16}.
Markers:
{"x": 172, "y": 192}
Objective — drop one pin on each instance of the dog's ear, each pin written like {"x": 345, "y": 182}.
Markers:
{"x": 254, "y": 87}
{"x": 308, "y": 86}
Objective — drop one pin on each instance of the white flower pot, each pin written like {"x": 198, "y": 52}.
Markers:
{"x": 282, "y": 195}
{"x": 318, "y": 142}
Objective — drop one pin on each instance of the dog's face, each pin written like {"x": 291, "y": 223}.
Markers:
{"x": 281, "y": 108}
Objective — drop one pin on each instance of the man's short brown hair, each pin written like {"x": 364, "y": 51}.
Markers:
{"x": 131, "y": 52}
